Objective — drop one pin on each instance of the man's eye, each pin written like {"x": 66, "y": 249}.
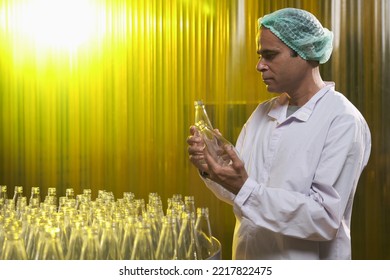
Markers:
{"x": 269, "y": 56}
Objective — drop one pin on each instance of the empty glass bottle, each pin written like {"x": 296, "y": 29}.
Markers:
{"x": 2, "y": 234}
{"x": 40, "y": 240}
{"x": 86, "y": 230}
{"x": 75, "y": 241}
{"x": 18, "y": 192}
{"x": 35, "y": 198}
{"x": 214, "y": 141}
{"x": 69, "y": 193}
{"x": 13, "y": 247}
{"x": 91, "y": 248}
{"x": 109, "y": 245}
{"x": 32, "y": 237}
{"x": 167, "y": 245}
{"x": 21, "y": 206}
{"x": 174, "y": 214}
{"x": 189, "y": 202}
{"x": 3, "y": 192}
{"x": 140, "y": 207}
{"x": 188, "y": 245}
{"x": 51, "y": 197}
{"x": 143, "y": 246}
{"x": 128, "y": 197}
{"x": 203, "y": 232}
{"x": 61, "y": 202}
{"x": 51, "y": 247}
{"x": 3, "y": 196}
{"x": 129, "y": 234}
{"x": 201, "y": 117}
{"x": 215, "y": 144}
{"x": 9, "y": 210}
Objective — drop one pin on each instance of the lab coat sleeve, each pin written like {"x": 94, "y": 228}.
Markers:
{"x": 315, "y": 215}
{"x": 220, "y": 192}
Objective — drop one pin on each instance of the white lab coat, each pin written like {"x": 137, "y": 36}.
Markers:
{"x": 303, "y": 172}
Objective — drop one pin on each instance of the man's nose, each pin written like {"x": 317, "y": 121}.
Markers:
{"x": 261, "y": 66}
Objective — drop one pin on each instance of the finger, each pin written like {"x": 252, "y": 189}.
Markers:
{"x": 191, "y": 140}
{"x": 194, "y": 130}
{"x": 211, "y": 162}
{"x": 195, "y": 141}
{"x": 199, "y": 162}
{"x": 231, "y": 152}
{"x": 196, "y": 158}
{"x": 195, "y": 150}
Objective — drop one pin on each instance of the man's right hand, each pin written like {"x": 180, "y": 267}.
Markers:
{"x": 196, "y": 147}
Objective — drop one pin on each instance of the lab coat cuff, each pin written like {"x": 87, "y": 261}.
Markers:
{"x": 246, "y": 190}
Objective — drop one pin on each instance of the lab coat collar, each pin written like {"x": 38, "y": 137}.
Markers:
{"x": 279, "y": 108}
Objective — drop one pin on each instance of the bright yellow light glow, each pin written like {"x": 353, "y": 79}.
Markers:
{"x": 2, "y": 18}
{"x": 56, "y": 23}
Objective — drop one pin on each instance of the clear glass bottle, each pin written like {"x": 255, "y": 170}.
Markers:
{"x": 140, "y": 207}
{"x": 201, "y": 117}
{"x": 128, "y": 197}
{"x": 152, "y": 219}
{"x": 176, "y": 217}
{"x": 143, "y": 246}
{"x": 51, "y": 197}
{"x": 3, "y": 192}
{"x": 75, "y": 241}
{"x": 40, "y": 241}
{"x": 91, "y": 248}
{"x": 109, "y": 246}
{"x": 69, "y": 193}
{"x": 188, "y": 245}
{"x": 34, "y": 203}
{"x": 58, "y": 220}
{"x": 2, "y": 234}
{"x": 189, "y": 202}
{"x": 215, "y": 144}
{"x": 88, "y": 193}
{"x": 86, "y": 232}
{"x": 27, "y": 221}
{"x": 52, "y": 249}
{"x": 203, "y": 232}
{"x": 35, "y": 197}
{"x": 3, "y": 196}
{"x": 18, "y": 192}
{"x": 9, "y": 210}
{"x": 32, "y": 237}
{"x": 21, "y": 206}
{"x": 167, "y": 245}
{"x": 61, "y": 202}
{"x": 214, "y": 141}
{"x": 129, "y": 234}
{"x": 13, "y": 247}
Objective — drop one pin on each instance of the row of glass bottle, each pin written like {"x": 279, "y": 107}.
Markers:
{"x": 79, "y": 228}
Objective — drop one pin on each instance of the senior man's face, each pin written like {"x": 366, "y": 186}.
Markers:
{"x": 280, "y": 70}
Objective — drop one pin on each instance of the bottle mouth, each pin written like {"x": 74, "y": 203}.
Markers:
{"x": 198, "y": 102}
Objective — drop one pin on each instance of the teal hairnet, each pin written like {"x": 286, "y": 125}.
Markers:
{"x": 301, "y": 31}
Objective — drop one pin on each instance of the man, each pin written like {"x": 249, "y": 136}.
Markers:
{"x": 300, "y": 155}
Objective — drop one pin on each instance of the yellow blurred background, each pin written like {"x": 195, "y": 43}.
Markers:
{"x": 99, "y": 94}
